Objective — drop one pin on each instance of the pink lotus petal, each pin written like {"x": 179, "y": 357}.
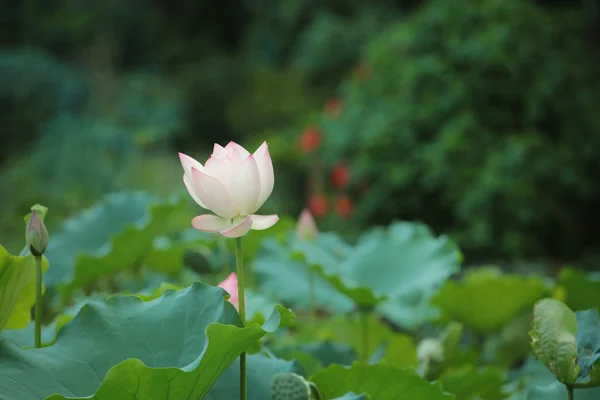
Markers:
{"x": 244, "y": 187}
{"x": 261, "y": 222}
{"x": 306, "y": 227}
{"x": 220, "y": 169}
{"x": 219, "y": 151}
{"x": 230, "y": 285}
{"x": 213, "y": 194}
{"x": 231, "y": 146}
{"x": 210, "y": 223}
{"x": 265, "y": 170}
{"x": 239, "y": 229}
{"x": 188, "y": 163}
{"x": 187, "y": 181}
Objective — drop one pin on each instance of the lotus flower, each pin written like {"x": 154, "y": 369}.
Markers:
{"x": 306, "y": 227}
{"x": 230, "y": 284}
{"x": 233, "y": 184}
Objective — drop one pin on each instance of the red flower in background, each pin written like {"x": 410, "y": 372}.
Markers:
{"x": 362, "y": 71}
{"x": 310, "y": 139}
{"x": 343, "y": 206}
{"x": 340, "y": 176}
{"x": 317, "y": 204}
{"x": 333, "y": 106}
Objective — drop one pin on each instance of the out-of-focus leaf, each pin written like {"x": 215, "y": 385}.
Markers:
{"x": 114, "y": 235}
{"x": 17, "y": 289}
{"x": 582, "y": 291}
{"x": 380, "y": 381}
{"x": 480, "y": 300}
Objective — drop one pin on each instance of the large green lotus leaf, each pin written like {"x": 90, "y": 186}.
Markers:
{"x": 364, "y": 297}
{"x": 352, "y": 396}
{"x": 557, "y": 391}
{"x": 588, "y": 347}
{"x": 470, "y": 383}
{"x": 399, "y": 349}
{"x": 538, "y": 383}
{"x": 554, "y": 339}
{"x": 407, "y": 263}
{"x": 327, "y": 250}
{"x": 24, "y": 338}
{"x": 325, "y": 255}
{"x": 259, "y": 373}
{"x": 582, "y": 291}
{"x": 328, "y": 352}
{"x": 486, "y": 299}
{"x": 285, "y": 277}
{"x": 258, "y": 306}
{"x": 168, "y": 255}
{"x": 17, "y": 289}
{"x": 175, "y": 346}
{"x": 380, "y": 381}
{"x": 112, "y": 236}
{"x": 252, "y": 243}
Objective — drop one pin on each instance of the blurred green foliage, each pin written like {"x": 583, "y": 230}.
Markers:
{"x": 480, "y": 118}
{"x": 477, "y": 117}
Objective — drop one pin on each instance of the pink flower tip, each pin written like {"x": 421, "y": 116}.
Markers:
{"x": 230, "y": 285}
{"x": 306, "y": 228}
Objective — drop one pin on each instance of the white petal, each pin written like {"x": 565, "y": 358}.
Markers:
{"x": 244, "y": 186}
{"x": 211, "y": 223}
{"x": 265, "y": 170}
{"x": 231, "y": 146}
{"x": 213, "y": 194}
{"x": 187, "y": 181}
{"x": 188, "y": 163}
{"x": 219, "y": 151}
{"x": 238, "y": 230}
{"x": 220, "y": 169}
{"x": 261, "y": 222}
{"x": 235, "y": 159}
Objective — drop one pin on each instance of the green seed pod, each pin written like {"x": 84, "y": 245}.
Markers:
{"x": 290, "y": 386}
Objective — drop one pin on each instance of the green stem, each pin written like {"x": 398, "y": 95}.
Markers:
{"x": 364, "y": 333}
{"x": 38, "y": 302}
{"x": 239, "y": 263}
{"x": 570, "y": 393}
{"x": 311, "y": 296}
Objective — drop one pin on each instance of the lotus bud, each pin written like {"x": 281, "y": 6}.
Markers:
{"x": 306, "y": 227}
{"x": 37, "y": 235}
{"x": 430, "y": 350}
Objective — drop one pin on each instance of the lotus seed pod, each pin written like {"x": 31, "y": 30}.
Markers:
{"x": 290, "y": 386}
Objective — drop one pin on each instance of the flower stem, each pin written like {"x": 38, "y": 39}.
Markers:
{"x": 311, "y": 296}
{"x": 364, "y": 333}
{"x": 570, "y": 393}
{"x": 38, "y": 302}
{"x": 239, "y": 263}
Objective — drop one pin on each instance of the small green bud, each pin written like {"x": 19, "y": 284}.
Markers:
{"x": 37, "y": 235}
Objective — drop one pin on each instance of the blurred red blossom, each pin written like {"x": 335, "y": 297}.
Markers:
{"x": 310, "y": 139}
{"x": 333, "y": 106}
{"x": 343, "y": 206}
{"x": 340, "y": 176}
{"x": 362, "y": 71}
{"x": 317, "y": 204}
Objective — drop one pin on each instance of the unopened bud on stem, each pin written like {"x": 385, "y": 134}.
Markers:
{"x": 37, "y": 235}
{"x": 306, "y": 228}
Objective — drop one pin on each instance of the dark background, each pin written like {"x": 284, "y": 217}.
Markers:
{"x": 480, "y": 118}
